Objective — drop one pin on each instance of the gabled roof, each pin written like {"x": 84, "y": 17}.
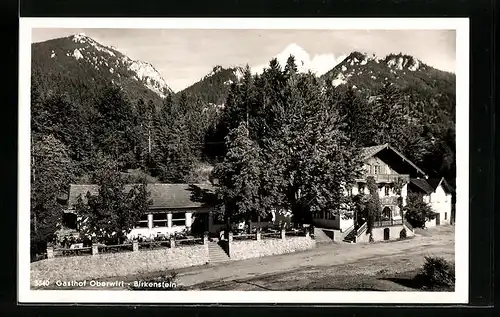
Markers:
{"x": 436, "y": 182}
{"x": 370, "y": 151}
{"x": 163, "y": 196}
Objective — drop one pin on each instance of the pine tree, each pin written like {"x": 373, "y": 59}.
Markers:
{"x": 51, "y": 175}
{"x": 173, "y": 154}
{"x": 114, "y": 131}
{"x": 239, "y": 177}
{"x": 356, "y": 116}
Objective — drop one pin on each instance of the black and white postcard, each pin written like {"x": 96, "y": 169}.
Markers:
{"x": 243, "y": 160}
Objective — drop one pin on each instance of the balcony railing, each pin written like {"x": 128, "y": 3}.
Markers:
{"x": 387, "y": 223}
{"x": 389, "y": 200}
{"x": 385, "y": 178}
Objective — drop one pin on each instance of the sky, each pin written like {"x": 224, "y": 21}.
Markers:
{"x": 184, "y": 56}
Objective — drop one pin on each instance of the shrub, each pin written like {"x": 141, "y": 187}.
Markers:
{"x": 437, "y": 272}
{"x": 417, "y": 212}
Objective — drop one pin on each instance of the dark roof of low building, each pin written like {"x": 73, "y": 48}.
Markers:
{"x": 430, "y": 185}
{"x": 163, "y": 196}
{"x": 422, "y": 185}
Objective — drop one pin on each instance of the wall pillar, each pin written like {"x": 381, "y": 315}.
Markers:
{"x": 135, "y": 246}
{"x": 172, "y": 242}
{"x": 210, "y": 221}
{"x": 95, "y": 249}
{"x": 150, "y": 221}
{"x": 188, "y": 219}
{"x": 50, "y": 252}
{"x": 230, "y": 251}
{"x": 283, "y": 234}
{"x": 169, "y": 220}
{"x": 258, "y": 234}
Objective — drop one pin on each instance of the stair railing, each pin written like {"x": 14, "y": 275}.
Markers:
{"x": 407, "y": 224}
{"x": 361, "y": 230}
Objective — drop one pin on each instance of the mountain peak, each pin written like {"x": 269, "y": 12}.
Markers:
{"x": 102, "y": 61}
{"x": 80, "y": 38}
{"x": 402, "y": 61}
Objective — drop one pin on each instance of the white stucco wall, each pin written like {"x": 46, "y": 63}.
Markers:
{"x": 440, "y": 203}
{"x": 337, "y": 223}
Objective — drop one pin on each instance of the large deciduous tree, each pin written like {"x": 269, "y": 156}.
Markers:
{"x": 306, "y": 160}
{"x": 110, "y": 214}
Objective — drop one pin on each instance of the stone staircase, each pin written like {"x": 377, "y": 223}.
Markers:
{"x": 322, "y": 236}
{"x": 216, "y": 253}
{"x": 350, "y": 237}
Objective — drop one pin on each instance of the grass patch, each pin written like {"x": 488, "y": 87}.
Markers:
{"x": 436, "y": 274}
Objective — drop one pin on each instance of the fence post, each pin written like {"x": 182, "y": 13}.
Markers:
{"x": 230, "y": 251}
{"x": 205, "y": 238}
{"x": 283, "y": 234}
{"x": 50, "y": 252}
{"x": 95, "y": 249}
{"x": 258, "y": 236}
{"x": 135, "y": 246}
{"x": 172, "y": 242}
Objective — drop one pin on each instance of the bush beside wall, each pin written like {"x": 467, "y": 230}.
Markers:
{"x": 241, "y": 250}
{"x": 79, "y": 268}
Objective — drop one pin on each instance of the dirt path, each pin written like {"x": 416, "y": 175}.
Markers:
{"x": 324, "y": 261}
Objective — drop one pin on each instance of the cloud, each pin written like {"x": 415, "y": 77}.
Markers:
{"x": 318, "y": 64}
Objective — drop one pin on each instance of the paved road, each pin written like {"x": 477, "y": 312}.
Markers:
{"x": 324, "y": 261}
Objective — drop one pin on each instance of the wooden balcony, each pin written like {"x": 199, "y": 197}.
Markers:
{"x": 389, "y": 200}
{"x": 385, "y": 178}
{"x": 387, "y": 223}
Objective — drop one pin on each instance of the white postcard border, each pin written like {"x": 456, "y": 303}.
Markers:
{"x": 461, "y": 25}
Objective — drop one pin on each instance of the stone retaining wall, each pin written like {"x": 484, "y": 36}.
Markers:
{"x": 79, "y": 268}
{"x": 378, "y": 234}
{"x": 240, "y": 250}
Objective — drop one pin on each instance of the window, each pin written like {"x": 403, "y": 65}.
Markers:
{"x": 349, "y": 191}
{"x": 160, "y": 220}
{"x": 178, "y": 219}
{"x": 143, "y": 223}
{"x": 445, "y": 216}
{"x": 329, "y": 215}
{"x": 386, "y": 189}
{"x": 376, "y": 169}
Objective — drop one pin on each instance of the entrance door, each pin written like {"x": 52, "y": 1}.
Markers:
{"x": 438, "y": 219}
{"x": 387, "y": 233}
{"x": 200, "y": 223}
